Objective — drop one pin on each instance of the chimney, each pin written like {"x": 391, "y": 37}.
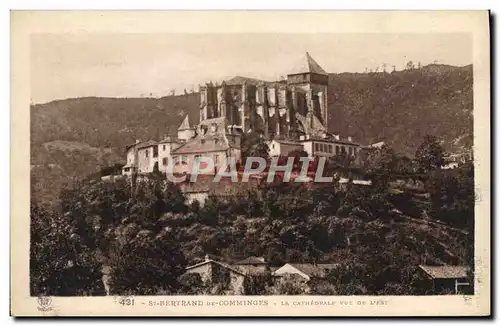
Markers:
{"x": 207, "y": 258}
{"x": 349, "y": 138}
{"x": 137, "y": 141}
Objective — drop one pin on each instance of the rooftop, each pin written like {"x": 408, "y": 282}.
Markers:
{"x": 148, "y": 143}
{"x": 240, "y": 80}
{"x": 313, "y": 270}
{"x": 252, "y": 260}
{"x": 185, "y": 124}
{"x": 447, "y": 271}
{"x": 308, "y": 65}
{"x": 224, "y": 265}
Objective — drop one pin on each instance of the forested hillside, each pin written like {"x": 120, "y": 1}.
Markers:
{"x": 147, "y": 235}
{"x": 401, "y": 107}
{"x": 73, "y": 138}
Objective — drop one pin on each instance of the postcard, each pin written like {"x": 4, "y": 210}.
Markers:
{"x": 250, "y": 163}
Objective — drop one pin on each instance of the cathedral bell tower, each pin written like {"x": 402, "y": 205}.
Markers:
{"x": 308, "y": 78}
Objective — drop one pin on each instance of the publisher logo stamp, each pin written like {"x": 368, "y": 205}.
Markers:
{"x": 44, "y": 303}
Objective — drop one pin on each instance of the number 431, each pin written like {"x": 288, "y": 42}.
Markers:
{"x": 126, "y": 301}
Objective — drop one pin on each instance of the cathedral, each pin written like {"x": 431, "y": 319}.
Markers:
{"x": 287, "y": 108}
{"x": 291, "y": 114}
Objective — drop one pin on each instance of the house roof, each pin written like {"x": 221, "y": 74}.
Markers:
{"x": 148, "y": 143}
{"x": 249, "y": 269}
{"x": 219, "y": 121}
{"x": 287, "y": 141}
{"x": 309, "y": 269}
{"x": 331, "y": 140}
{"x": 447, "y": 271}
{"x": 185, "y": 124}
{"x": 308, "y": 65}
{"x": 239, "y": 80}
{"x": 170, "y": 139}
{"x": 252, "y": 260}
{"x": 313, "y": 270}
{"x": 211, "y": 137}
{"x": 211, "y": 261}
{"x": 212, "y": 143}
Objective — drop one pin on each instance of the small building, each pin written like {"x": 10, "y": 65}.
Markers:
{"x": 147, "y": 156}
{"x": 305, "y": 271}
{"x": 282, "y": 147}
{"x": 447, "y": 279}
{"x": 185, "y": 132}
{"x": 212, "y": 271}
{"x": 205, "y": 186}
{"x": 253, "y": 265}
{"x": 329, "y": 146}
{"x": 215, "y": 140}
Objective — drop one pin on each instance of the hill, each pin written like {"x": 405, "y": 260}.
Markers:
{"x": 401, "y": 107}
{"x": 398, "y": 108}
{"x": 73, "y": 138}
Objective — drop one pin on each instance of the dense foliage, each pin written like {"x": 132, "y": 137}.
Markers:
{"x": 145, "y": 235}
{"x": 62, "y": 262}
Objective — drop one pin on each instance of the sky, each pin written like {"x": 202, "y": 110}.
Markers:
{"x": 131, "y": 65}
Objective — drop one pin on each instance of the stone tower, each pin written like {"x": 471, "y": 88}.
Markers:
{"x": 308, "y": 80}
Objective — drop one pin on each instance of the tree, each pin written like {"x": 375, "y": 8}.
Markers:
{"x": 452, "y": 196}
{"x": 146, "y": 264}
{"x": 410, "y": 65}
{"x": 404, "y": 165}
{"x": 128, "y": 226}
{"x": 429, "y": 155}
{"x": 253, "y": 145}
{"x": 381, "y": 164}
{"x": 257, "y": 284}
{"x": 60, "y": 262}
{"x": 289, "y": 285}
{"x": 191, "y": 284}
{"x": 381, "y": 160}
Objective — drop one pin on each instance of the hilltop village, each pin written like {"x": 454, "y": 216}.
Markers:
{"x": 289, "y": 114}
{"x": 389, "y": 225}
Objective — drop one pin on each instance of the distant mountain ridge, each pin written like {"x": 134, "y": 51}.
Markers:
{"x": 398, "y": 108}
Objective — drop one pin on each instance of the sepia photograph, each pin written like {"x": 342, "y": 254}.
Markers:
{"x": 186, "y": 165}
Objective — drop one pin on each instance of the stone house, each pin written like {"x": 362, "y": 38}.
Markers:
{"x": 306, "y": 272}
{"x": 215, "y": 140}
{"x": 281, "y": 147}
{"x": 206, "y": 186}
{"x": 253, "y": 265}
{"x": 216, "y": 272}
{"x": 446, "y": 279}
